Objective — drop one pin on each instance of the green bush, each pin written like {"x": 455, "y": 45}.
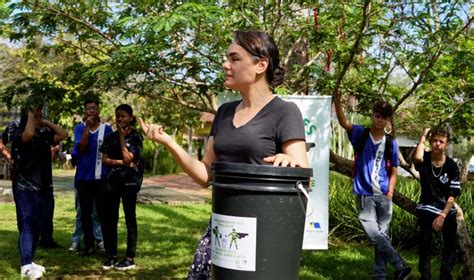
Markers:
{"x": 345, "y": 226}
{"x": 165, "y": 163}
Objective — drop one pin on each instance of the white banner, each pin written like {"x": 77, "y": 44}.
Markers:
{"x": 316, "y": 111}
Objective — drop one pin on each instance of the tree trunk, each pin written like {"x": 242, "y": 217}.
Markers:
{"x": 340, "y": 164}
{"x": 465, "y": 245}
{"x": 404, "y": 202}
{"x": 155, "y": 161}
{"x": 344, "y": 166}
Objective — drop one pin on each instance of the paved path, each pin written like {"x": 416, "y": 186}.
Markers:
{"x": 169, "y": 189}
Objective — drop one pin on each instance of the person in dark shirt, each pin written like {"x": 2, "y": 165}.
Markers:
{"x": 260, "y": 128}
{"x": 440, "y": 186}
{"x": 46, "y": 239}
{"x": 32, "y": 182}
{"x": 122, "y": 153}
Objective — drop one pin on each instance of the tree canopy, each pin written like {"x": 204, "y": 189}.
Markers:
{"x": 168, "y": 54}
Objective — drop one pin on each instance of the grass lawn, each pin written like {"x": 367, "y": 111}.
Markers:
{"x": 166, "y": 242}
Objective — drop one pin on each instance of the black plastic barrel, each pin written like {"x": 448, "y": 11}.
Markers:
{"x": 271, "y": 195}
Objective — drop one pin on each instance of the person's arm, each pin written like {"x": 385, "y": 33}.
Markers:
{"x": 439, "y": 221}
{"x": 82, "y": 145}
{"x": 83, "y": 142}
{"x": 454, "y": 192}
{"x": 341, "y": 117}
{"x": 392, "y": 181}
{"x": 198, "y": 170}
{"x": 59, "y": 132}
{"x": 30, "y": 127}
{"x": 294, "y": 154}
{"x": 111, "y": 162}
{"x": 5, "y": 152}
{"x": 126, "y": 154}
{"x": 420, "y": 149}
{"x": 106, "y": 148}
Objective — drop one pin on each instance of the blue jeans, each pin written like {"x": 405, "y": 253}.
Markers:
{"x": 375, "y": 214}
{"x": 31, "y": 216}
{"x": 46, "y": 235}
{"x": 77, "y": 235}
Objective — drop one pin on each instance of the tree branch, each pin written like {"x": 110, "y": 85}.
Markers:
{"x": 82, "y": 49}
{"x": 86, "y": 24}
{"x": 355, "y": 48}
{"x": 451, "y": 115}
{"x": 430, "y": 65}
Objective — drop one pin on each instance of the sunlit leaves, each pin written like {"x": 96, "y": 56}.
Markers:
{"x": 172, "y": 51}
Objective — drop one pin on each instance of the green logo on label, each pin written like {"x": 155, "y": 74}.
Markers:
{"x": 310, "y": 128}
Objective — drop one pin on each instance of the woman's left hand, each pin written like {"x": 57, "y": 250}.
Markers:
{"x": 282, "y": 160}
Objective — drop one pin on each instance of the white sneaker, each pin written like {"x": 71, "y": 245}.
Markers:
{"x": 39, "y": 267}
{"x": 100, "y": 245}
{"x": 74, "y": 247}
{"x": 29, "y": 271}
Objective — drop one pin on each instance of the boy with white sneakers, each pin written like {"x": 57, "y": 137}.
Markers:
{"x": 32, "y": 181}
{"x": 32, "y": 271}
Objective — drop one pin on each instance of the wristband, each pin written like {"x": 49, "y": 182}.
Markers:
{"x": 442, "y": 215}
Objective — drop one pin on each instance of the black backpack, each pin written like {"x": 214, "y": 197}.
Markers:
{"x": 359, "y": 147}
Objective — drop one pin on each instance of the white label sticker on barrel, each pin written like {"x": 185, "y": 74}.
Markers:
{"x": 234, "y": 242}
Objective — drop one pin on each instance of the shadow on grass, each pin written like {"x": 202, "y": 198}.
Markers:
{"x": 167, "y": 237}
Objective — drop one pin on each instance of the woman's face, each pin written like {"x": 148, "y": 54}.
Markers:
{"x": 240, "y": 68}
{"x": 122, "y": 118}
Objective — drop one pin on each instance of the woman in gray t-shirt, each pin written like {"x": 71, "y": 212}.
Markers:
{"x": 260, "y": 128}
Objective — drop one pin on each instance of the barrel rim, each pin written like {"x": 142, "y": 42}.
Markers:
{"x": 258, "y": 188}
{"x": 260, "y": 169}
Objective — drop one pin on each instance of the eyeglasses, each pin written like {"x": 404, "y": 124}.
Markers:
{"x": 94, "y": 108}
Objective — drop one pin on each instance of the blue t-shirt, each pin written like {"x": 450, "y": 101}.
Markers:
{"x": 371, "y": 176}
{"x": 88, "y": 161}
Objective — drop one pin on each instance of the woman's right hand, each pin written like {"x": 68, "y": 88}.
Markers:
{"x": 155, "y": 132}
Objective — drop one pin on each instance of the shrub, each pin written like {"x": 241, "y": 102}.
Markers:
{"x": 344, "y": 223}
{"x": 157, "y": 160}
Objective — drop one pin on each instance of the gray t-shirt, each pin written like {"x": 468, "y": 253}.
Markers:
{"x": 279, "y": 121}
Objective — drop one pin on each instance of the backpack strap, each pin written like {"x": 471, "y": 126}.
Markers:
{"x": 359, "y": 147}
{"x": 388, "y": 152}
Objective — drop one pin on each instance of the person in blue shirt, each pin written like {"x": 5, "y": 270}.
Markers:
{"x": 375, "y": 177}
{"x": 90, "y": 172}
